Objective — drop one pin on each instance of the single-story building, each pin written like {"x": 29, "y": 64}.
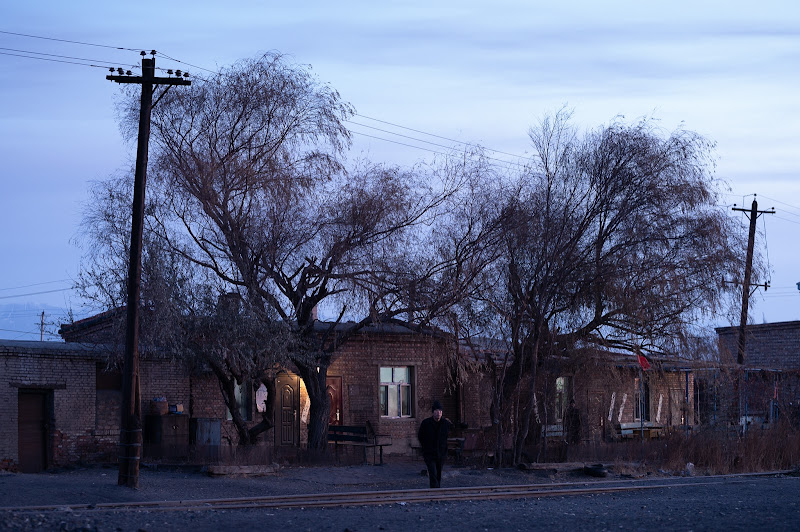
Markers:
{"x": 768, "y": 380}
{"x": 62, "y": 400}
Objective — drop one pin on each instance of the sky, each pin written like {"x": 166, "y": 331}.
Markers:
{"x": 425, "y": 74}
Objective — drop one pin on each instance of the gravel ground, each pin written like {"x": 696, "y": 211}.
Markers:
{"x": 744, "y": 503}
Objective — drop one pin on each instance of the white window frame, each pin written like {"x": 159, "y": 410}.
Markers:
{"x": 395, "y": 386}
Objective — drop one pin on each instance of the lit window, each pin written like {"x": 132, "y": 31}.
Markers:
{"x": 261, "y": 399}
{"x": 396, "y": 392}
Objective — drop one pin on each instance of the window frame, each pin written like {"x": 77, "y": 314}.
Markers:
{"x": 244, "y": 401}
{"x": 641, "y": 399}
{"x": 561, "y": 400}
{"x": 387, "y": 388}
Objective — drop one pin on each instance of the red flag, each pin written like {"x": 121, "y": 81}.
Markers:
{"x": 643, "y": 362}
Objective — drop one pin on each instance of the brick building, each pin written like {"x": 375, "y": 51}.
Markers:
{"x": 769, "y": 383}
{"x": 61, "y": 400}
{"x": 769, "y": 345}
{"x": 612, "y": 389}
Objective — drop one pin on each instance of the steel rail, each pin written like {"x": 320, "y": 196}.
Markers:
{"x": 364, "y": 498}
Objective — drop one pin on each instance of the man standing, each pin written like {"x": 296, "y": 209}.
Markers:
{"x": 433, "y": 439}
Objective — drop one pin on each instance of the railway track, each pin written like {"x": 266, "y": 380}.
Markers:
{"x": 406, "y": 496}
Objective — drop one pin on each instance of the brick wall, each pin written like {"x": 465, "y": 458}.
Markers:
{"x": 164, "y": 378}
{"x": 605, "y": 395}
{"x": 768, "y": 345}
{"x": 359, "y": 366}
{"x": 84, "y": 421}
{"x": 67, "y": 376}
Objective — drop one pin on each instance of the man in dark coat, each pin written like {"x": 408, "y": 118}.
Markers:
{"x": 433, "y": 439}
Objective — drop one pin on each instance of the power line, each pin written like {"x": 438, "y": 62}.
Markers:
{"x": 63, "y": 59}
{"x": 57, "y": 60}
{"x": 37, "y": 293}
{"x": 787, "y": 220}
{"x": 36, "y": 284}
{"x": 398, "y": 142}
{"x": 437, "y": 136}
{"x": 69, "y": 41}
{"x": 57, "y": 55}
{"x": 27, "y": 332}
{"x": 185, "y": 63}
{"x": 784, "y": 204}
{"x": 509, "y": 163}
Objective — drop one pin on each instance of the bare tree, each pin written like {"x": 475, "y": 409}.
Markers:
{"x": 250, "y": 195}
{"x": 611, "y": 238}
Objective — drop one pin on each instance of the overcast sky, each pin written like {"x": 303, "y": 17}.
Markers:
{"x": 476, "y": 72}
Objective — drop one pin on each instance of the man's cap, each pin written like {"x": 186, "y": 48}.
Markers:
{"x": 436, "y": 405}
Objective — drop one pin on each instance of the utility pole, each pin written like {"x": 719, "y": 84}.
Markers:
{"x": 753, "y": 215}
{"x": 748, "y": 270}
{"x": 41, "y": 328}
{"x": 131, "y": 423}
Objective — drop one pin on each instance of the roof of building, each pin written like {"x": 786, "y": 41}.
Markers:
{"x": 775, "y": 326}
{"x": 52, "y": 348}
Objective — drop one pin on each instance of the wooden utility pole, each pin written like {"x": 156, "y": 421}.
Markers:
{"x": 753, "y": 214}
{"x": 748, "y": 270}
{"x": 130, "y": 440}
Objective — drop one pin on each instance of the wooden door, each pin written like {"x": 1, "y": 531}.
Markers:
{"x": 32, "y": 431}
{"x": 334, "y": 386}
{"x": 288, "y": 405}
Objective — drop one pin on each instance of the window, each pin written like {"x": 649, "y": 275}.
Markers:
{"x": 396, "y": 391}
{"x": 561, "y": 398}
{"x": 641, "y": 400}
{"x": 261, "y": 399}
{"x": 244, "y": 397}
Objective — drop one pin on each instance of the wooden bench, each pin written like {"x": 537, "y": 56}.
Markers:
{"x": 358, "y": 435}
{"x": 639, "y": 429}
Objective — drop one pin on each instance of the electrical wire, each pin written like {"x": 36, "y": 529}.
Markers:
{"x": 54, "y": 55}
{"x": 63, "y": 59}
{"x": 509, "y": 164}
{"x": 106, "y": 66}
{"x": 36, "y": 284}
{"x": 31, "y": 332}
{"x": 37, "y": 293}
{"x": 137, "y": 50}
{"x": 185, "y": 63}
{"x": 399, "y": 143}
{"x": 785, "y": 205}
{"x": 788, "y": 220}
{"x": 437, "y": 136}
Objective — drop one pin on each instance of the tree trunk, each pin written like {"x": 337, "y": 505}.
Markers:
{"x": 227, "y": 386}
{"x": 315, "y": 378}
{"x": 267, "y": 421}
{"x": 529, "y": 409}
